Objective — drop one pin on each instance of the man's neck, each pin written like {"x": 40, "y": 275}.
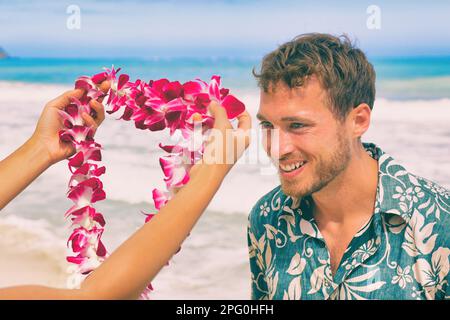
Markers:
{"x": 351, "y": 194}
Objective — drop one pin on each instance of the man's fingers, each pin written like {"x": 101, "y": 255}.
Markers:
{"x": 99, "y": 111}
{"x": 65, "y": 99}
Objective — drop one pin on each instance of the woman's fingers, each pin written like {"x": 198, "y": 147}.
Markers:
{"x": 220, "y": 116}
{"x": 104, "y": 86}
{"x": 66, "y": 98}
{"x": 99, "y": 111}
{"x": 89, "y": 121}
{"x": 243, "y": 132}
{"x": 196, "y": 117}
{"x": 235, "y": 141}
{"x": 244, "y": 121}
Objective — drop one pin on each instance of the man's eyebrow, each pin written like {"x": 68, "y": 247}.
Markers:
{"x": 260, "y": 117}
{"x": 293, "y": 118}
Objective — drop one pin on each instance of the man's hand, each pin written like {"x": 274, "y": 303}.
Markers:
{"x": 49, "y": 124}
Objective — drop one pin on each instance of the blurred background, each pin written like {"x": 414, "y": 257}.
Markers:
{"x": 46, "y": 45}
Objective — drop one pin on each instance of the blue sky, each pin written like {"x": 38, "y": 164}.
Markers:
{"x": 216, "y": 27}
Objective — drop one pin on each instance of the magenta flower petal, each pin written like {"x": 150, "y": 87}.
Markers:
{"x": 158, "y": 85}
{"x": 149, "y": 217}
{"x": 123, "y": 79}
{"x": 201, "y": 103}
{"x": 157, "y": 126}
{"x": 194, "y": 88}
{"x": 83, "y": 170}
{"x": 213, "y": 88}
{"x": 99, "y": 219}
{"x": 96, "y": 155}
{"x": 99, "y": 77}
{"x": 77, "y": 160}
{"x": 84, "y": 83}
{"x": 79, "y": 259}
{"x": 98, "y": 195}
{"x": 167, "y": 148}
{"x": 175, "y": 172}
{"x": 80, "y": 194}
{"x": 172, "y": 90}
{"x": 99, "y": 171}
{"x": 224, "y": 92}
{"x": 127, "y": 114}
{"x": 101, "y": 250}
{"x": 160, "y": 198}
{"x": 233, "y": 106}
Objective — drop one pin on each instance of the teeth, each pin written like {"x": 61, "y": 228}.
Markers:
{"x": 292, "y": 167}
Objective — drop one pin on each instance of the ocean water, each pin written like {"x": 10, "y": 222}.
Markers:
{"x": 397, "y": 77}
{"x": 410, "y": 121}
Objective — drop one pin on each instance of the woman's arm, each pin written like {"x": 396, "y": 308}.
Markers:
{"x": 136, "y": 262}
{"x": 44, "y": 148}
{"x": 20, "y": 168}
{"x": 131, "y": 267}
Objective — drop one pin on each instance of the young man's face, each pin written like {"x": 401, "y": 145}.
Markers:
{"x": 314, "y": 147}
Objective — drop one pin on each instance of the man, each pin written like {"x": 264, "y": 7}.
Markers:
{"x": 347, "y": 221}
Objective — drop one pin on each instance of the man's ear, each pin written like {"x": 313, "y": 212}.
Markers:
{"x": 360, "y": 117}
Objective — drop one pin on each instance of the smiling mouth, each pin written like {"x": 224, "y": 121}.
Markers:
{"x": 287, "y": 168}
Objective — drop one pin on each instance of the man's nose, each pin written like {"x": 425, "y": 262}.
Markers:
{"x": 281, "y": 144}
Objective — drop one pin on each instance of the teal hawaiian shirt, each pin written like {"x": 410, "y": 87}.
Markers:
{"x": 401, "y": 253}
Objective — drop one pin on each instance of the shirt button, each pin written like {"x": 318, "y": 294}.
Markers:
{"x": 327, "y": 284}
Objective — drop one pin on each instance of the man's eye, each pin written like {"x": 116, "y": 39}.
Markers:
{"x": 296, "y": 125}
{"x": 265, "y": 125}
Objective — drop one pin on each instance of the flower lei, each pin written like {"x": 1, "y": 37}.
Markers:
{"x": 153, "y": 106}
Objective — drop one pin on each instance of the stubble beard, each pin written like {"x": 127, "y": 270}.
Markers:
{"x": 326, "y": 170}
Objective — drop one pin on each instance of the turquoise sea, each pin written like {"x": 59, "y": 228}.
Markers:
{"x": 397, "y": 77}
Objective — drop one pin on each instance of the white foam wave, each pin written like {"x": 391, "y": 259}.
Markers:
{"x": 131, "y": 155}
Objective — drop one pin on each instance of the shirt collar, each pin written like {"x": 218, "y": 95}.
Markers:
{"x": 392, "y": 180}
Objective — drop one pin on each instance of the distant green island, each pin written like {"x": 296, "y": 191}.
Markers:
{"x": 3, "y": 54}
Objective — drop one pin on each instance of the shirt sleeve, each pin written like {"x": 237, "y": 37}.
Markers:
{"x": 444, "y": 242}
{"x": 447, "y": 291}
{"x": 259, "y": 286}
{"x": 441, "y": 227}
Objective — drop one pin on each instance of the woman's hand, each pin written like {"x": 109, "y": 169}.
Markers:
{"x": 226, "y": 144}
{"x": 46, "y": 134}
{"x": 44, "y": 148}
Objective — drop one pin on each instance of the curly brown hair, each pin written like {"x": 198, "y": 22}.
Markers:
{"x": 342, "y": 69}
